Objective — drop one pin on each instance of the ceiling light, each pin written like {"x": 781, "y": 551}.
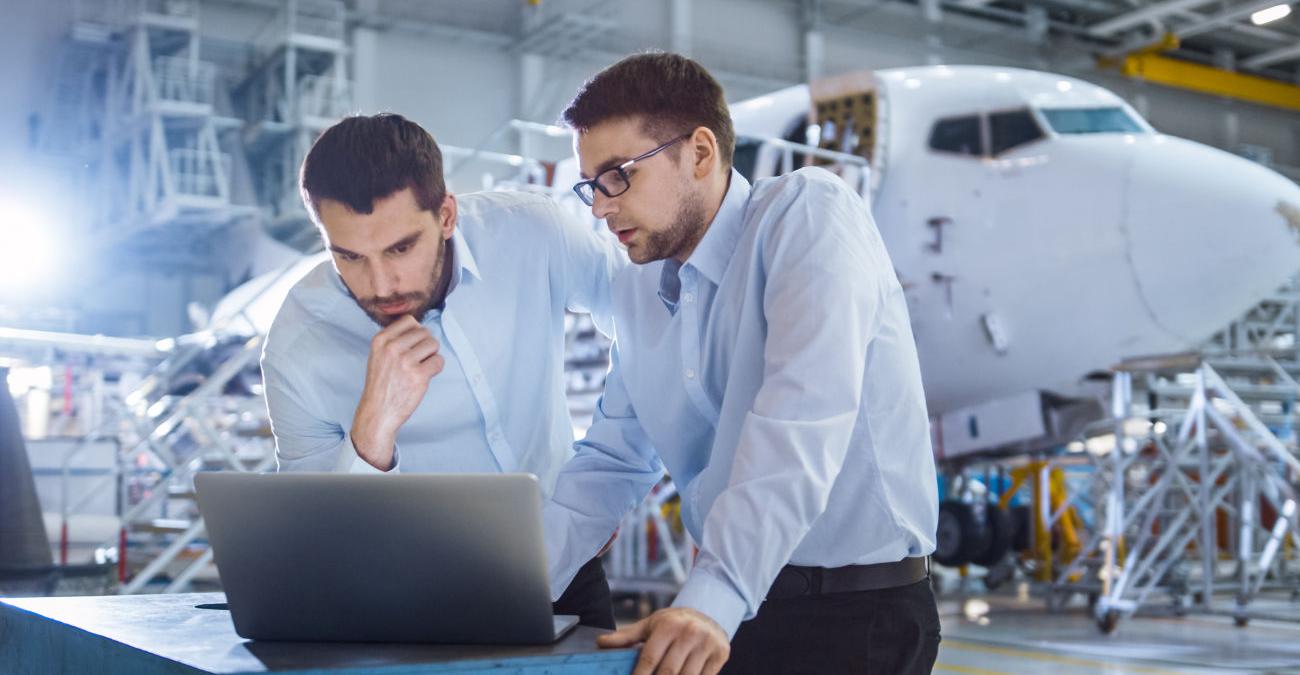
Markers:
{"x": 1273, "y": 13}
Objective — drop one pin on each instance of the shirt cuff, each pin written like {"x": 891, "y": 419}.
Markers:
{"x": 714, "y": 597}
{"x": 562, "y": 561}
{"x": 350, "y": 462}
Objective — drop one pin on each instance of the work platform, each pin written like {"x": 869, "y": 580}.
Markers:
{"x": 191, "y": 633}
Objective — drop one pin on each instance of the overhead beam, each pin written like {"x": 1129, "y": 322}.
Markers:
{"x": 1248, "y": 29}
{"x": 1213, "y": 81}
{"x": 1269, "y": 58}
{"x": 1140, "y": 16}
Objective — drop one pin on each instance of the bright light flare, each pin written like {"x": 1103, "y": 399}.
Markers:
{"x": 1270, "y": 15}
{"x": 28, "y": 250}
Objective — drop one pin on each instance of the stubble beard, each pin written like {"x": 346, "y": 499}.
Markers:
{"x": 682, "y": 235}
{"x": 423, "y": 300}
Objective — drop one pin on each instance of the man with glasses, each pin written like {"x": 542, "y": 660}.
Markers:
{"x": 433, "y": 340}
{"x": 764, "y": 357}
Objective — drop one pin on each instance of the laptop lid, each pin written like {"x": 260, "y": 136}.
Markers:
{"x": 448, "y": 558}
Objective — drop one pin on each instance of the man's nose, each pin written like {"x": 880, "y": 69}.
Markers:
{"x": 602, "y": 206}
{"x": 383, "y": 280}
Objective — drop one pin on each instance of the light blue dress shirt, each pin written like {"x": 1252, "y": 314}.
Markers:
{"x": 499, "y": 404}
{"x": 775, "y": 376}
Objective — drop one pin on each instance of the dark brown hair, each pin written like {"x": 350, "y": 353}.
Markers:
{"x": 362, "y": 159}
{"x": 669, "y": 92}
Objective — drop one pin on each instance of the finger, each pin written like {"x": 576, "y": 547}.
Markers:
{"x": 678, "y": 652}
{"x": 423, "y": 349}
{"x": 696, "y": 662}
{"x": 652, "y": 652}
{"x": 393, "y": 332}
{"x": 624, "y": 637}
{"x": 401, "y": 325}
{"x": 414, "y": 336}
{"x": 433, "y": 365}
{"x": 715, "y": 662}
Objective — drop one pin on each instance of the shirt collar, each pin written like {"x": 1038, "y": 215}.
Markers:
{"x": 716, "y": 247}
{"x": 462, "y": 258}
{"x": 462, "y": 262}
{"x": 670, "y": 285}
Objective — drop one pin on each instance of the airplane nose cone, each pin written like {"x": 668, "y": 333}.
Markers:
{"x": 1209, "y": 233}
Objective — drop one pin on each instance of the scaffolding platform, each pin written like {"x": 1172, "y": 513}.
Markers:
{"x": 191, "y": 633}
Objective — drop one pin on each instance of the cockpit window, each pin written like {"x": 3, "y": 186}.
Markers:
{"x": 1012, "y": 129}
{"x": 959, "y": 134}
{"x": 1090, "y": 120}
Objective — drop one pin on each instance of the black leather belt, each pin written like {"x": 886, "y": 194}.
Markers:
{"x": 795, "y": 581}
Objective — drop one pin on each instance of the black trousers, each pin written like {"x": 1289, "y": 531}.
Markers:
{"x": 588, "y": 598}
{"x": 887, "y": 632}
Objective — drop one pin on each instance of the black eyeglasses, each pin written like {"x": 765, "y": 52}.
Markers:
{"x": 613, "y": 182}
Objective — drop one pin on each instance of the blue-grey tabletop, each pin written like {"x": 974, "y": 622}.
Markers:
{"x": 192, "y": 633}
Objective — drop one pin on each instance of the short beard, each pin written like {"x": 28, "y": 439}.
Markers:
{"x": 681, "y": 236}
{"x": 424, "y": 300}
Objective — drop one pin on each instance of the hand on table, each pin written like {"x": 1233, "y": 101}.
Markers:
{"x": 675, "y": 641}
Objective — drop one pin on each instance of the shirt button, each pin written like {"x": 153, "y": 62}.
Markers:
{"x": 690, "y": 373}
{"x": 688, "y": 297}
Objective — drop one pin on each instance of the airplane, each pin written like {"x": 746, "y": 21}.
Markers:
{"x": 1042, "y": 229}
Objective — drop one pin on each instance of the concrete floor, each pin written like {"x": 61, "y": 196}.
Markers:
{"x": 995, "y": 635}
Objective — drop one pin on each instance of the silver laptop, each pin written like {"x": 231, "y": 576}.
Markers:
{"x": 449, "y": 558}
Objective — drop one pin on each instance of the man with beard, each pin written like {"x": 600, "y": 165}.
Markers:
{"x": 433, "y": 340}
{"x": 765, "y": 357}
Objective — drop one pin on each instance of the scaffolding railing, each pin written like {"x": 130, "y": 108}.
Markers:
{"x": 184, "y": 80}
{"x": 1161, "y": 496}
{"x": 114, "y": 15}
{"x": 320, "y": 19}
{"x": 199, "y": 172}
{"x": 325, "y": 96}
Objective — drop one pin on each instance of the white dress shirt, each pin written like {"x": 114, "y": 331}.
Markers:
{"x": 499, "y": 404}
{"x": 775, "y": 376}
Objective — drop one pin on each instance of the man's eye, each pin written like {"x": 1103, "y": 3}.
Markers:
{"x": 401, "y": 249}
{"x": 350, "y": 257}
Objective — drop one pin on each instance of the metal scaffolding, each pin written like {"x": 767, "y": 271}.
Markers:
{"x": 166, "y": 136}
{"x": 1194, "y": 492}
{"x": 297, "y": 88}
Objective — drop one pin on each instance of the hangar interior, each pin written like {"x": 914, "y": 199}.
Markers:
{"x": 1115, "y": 440}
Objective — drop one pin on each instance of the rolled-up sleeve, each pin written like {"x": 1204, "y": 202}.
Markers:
{"x": 304, "y": 441}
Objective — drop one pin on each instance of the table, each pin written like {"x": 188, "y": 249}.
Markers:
{"x": 191, "y": 633}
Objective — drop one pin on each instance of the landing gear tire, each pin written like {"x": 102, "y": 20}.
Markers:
{"x": 998, "y": 531}
{"x": 957, "y": 539}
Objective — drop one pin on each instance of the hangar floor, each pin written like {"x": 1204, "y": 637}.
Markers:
{"x": 1020, "y": 636}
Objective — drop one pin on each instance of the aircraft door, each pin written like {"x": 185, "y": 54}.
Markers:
{"x": 846, "y": 117}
